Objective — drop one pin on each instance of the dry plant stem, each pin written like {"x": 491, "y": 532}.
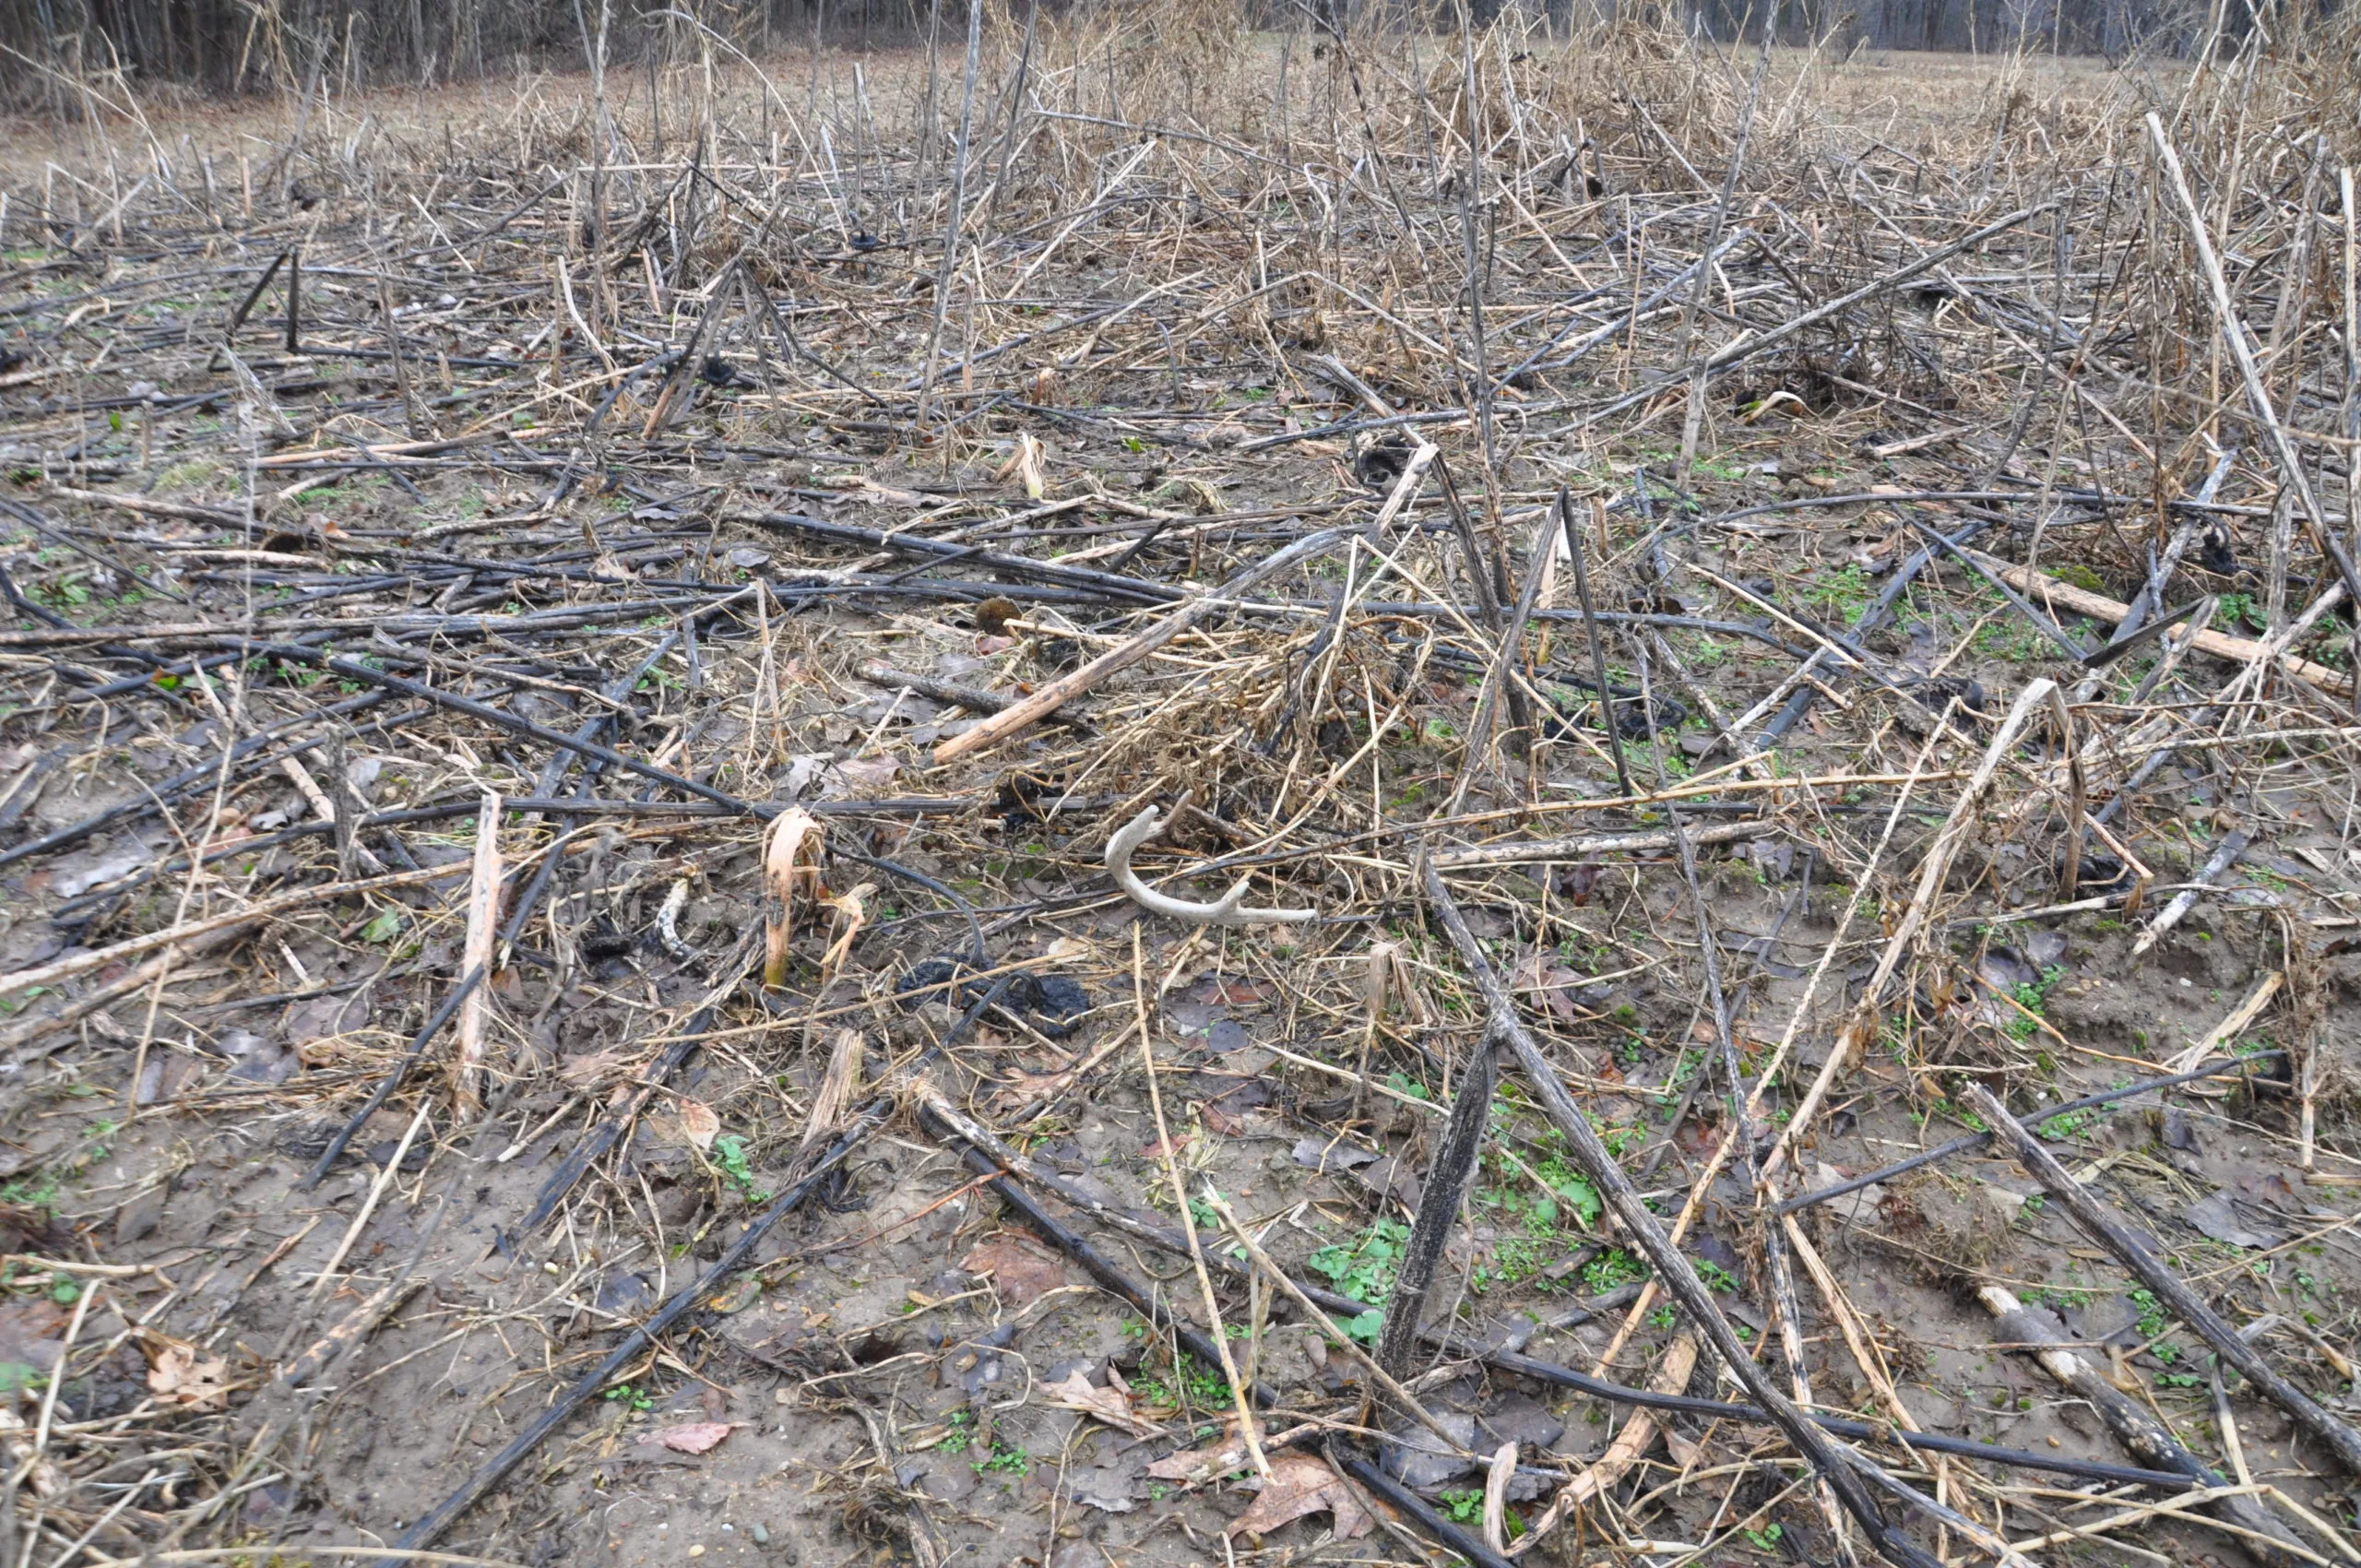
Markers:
{"x": 1630, "y": 1446}
{"x": 975, "y": 700}
{"x": 1537, "y": 851}
{"x": 2070, "y": 869}
{"x": 1180, "y": 1204}
{"x": 1449, "y": 1169}
{"x": 2233, "y": 333}
{"x": 1963, "y": 819}
{"x": 696, "y": 1292}
{"x": 949, "y": 262}
{"x": 2224, "y": 855}
{"x": 484, "y": 928}
{"x": 1695, "y": 418}
{"x": 2103, "y": 1227}
{"x": 380, "y": 1305}
{"x": 1396, "y": 1393}
{"x": 1850, "y": 1042}
{"x": 384, "y": 1178}
{"x": 2229, "y": 1067}
{"x": 19, "y": 1036}
{"x": 1839, "y": 1059}
{"x": 1746, "y": 346}
{"x": 2239, "y": 1020}
{"x": 1122, "y": 657}
{"x": 990, "y": 1147}
{"x": 286, "y": 903}
{"x": 2265, "y": 1547}
{"x": 1590, "y": 621}
{"x": 1848, "y": 1324}
{"x": 1497, "y": 1476}
{"x": 1501, "y": 675}
{"x": 2098, "y": 607}
{"x": 1647, "y": 1232}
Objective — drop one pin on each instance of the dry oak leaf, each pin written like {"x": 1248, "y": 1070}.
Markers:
{"x": 588, "y": 1068}
{"x": 1019, "y": 1273}
{"x": 698, "y": 1125}
{"x": 180, "y": 1376}
{"x": 1300, "y": 1484}
{"x": 1108, "y": 1405}
{"x": 1193, "y": 1467}
{"x": 694, "y": 1437}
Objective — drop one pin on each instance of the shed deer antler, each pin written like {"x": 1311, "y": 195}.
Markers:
{"x": 1229, "y": 910}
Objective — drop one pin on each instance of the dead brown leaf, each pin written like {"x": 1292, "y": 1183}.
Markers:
{"x": 1108, "y": 1405}
{"x": 178, "y": 1376}
{"x": 592, "y": 1065}
{"x": 1021, "y": 1275}
{"x": 1301, "y": 1484}
{"x": 699, "y": 1124}
{"x": 693, "y": 1437}
{"x": 1023, "y": 1088}
{"x": 1194, "y": 1466}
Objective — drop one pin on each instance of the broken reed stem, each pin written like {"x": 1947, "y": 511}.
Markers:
{"x": 948, "y": 267}
{"x": 1597, "y": 650}
{"x": 2102, "y": 1225}
{"x": 1246, "y": 1426}
{"x": 476, "y": 955}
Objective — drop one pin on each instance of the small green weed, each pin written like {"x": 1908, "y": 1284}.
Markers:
{"x": 730, "y": 1153}
{"x": 1612, "y": 1269}
{"x": 1365, "y": 1270}
{"x": 1005, "y": 1460}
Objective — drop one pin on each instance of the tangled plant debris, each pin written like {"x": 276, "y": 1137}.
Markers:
{"x": 615, "y": 684}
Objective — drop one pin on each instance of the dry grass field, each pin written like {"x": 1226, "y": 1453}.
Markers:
{"x": 1131, "y": 793}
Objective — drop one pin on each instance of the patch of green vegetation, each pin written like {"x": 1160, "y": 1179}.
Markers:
{"x": 1005, "y": 1460}
{"x": 962, "y": 1432}
{"x": 1462, "y": 1506}
{"x": 2072, "y": 1124}
{"x": 1611, "y": 1268}
{"x": 2152, "y": 1324}
{"x": 189, "y": 472}
{"x": 2082, "y": 576}
{"x": 2060, "y": 1298}
{"x": 1844, "y": 593}
{"x": 1766, "y": 1539}
{"x": 2235, "y": 613}
{"x": 1715, "y": 1277}
{"x": 730, "y": 1153}
{"x": 2032, "y": 996}
{"x": 2008, "y": 637}
{"x": 1364, "y": 1270}
{"x": 1704, "y": 653}
{"x": 630, "y": 1398}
